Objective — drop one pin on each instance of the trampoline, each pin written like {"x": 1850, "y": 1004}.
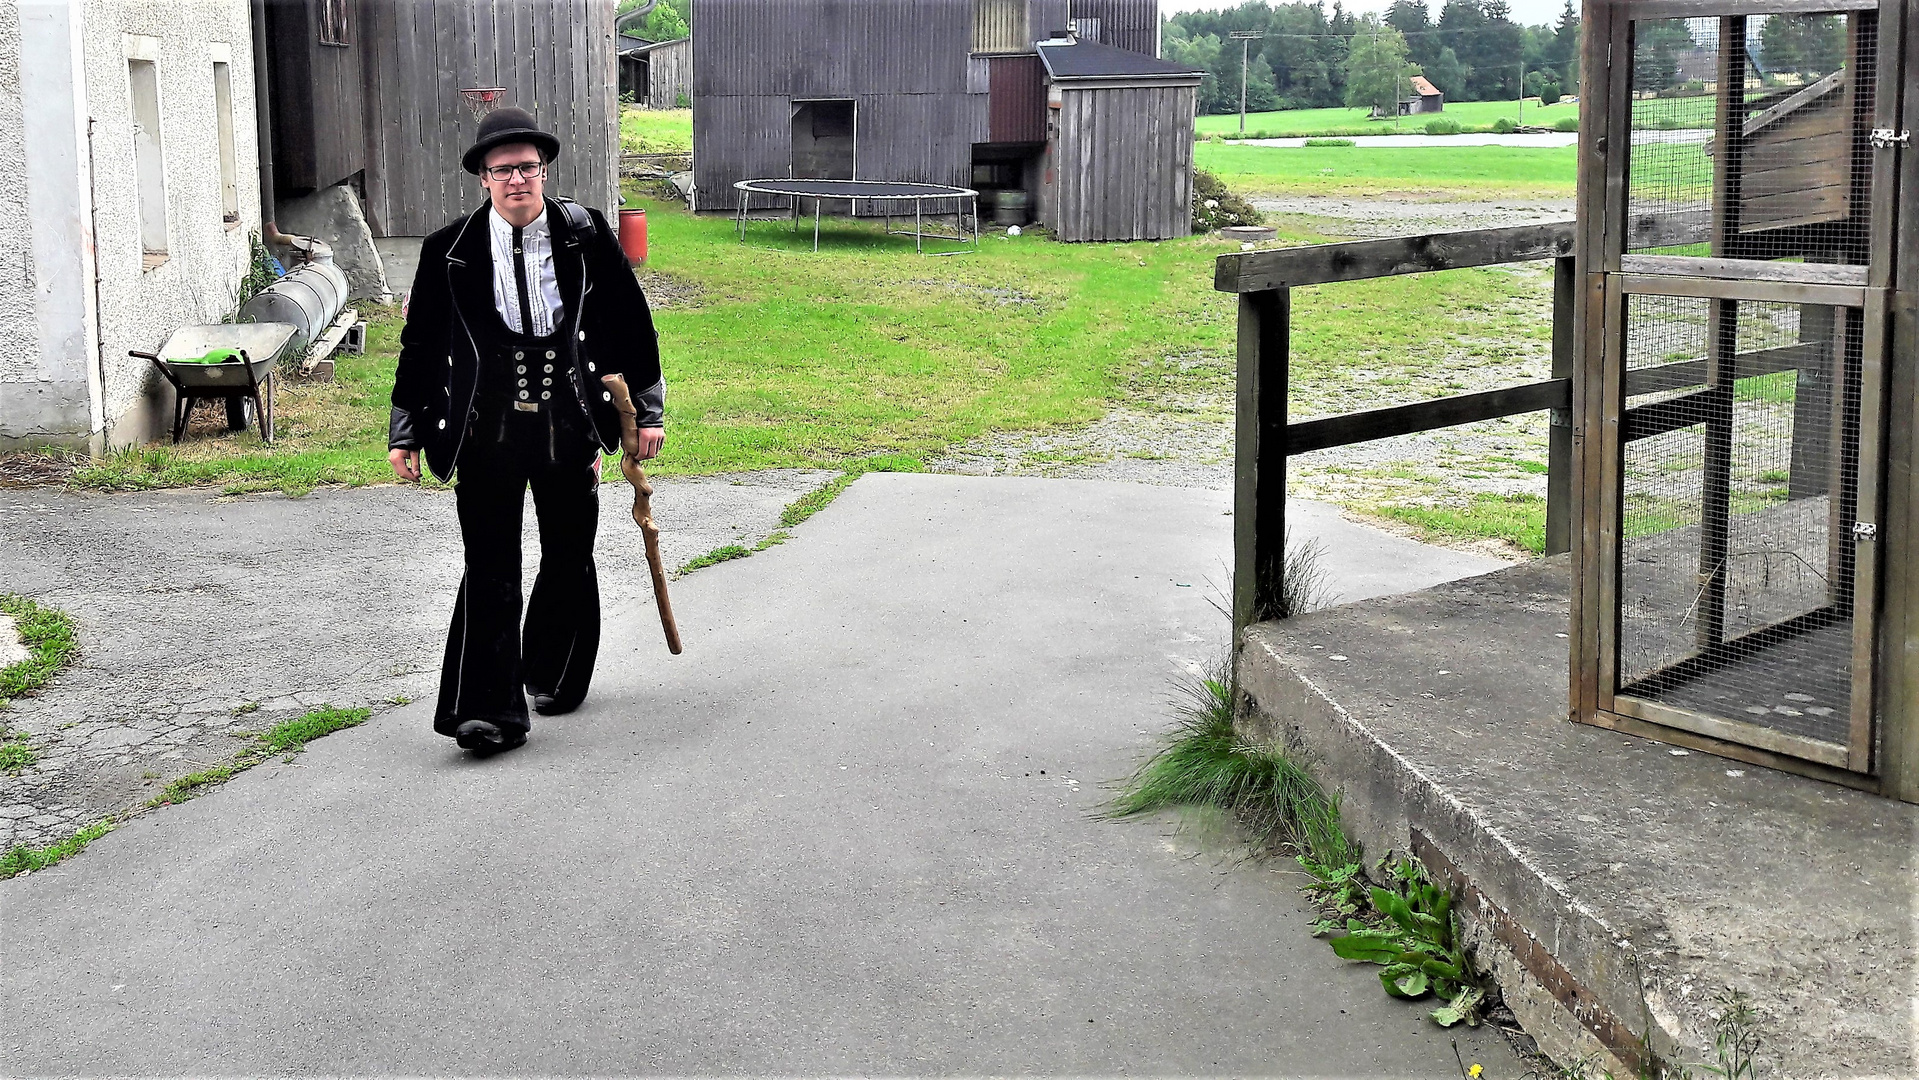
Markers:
{"x": 891, "y": 193}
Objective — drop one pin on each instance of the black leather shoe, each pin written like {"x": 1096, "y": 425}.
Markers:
{"x": 548, "y": 705}
{"x": 483, "y": 737}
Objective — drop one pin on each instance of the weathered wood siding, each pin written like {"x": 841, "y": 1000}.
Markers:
{"x": 1798, "y": 171}
{"x": 1124, "y": 24}
{"x": 921, "y": 96}
{"x": 318, "y": 110}
{"x": 1121, "y": 163}
{"x": 555, "y": 58}
{"x": 669, "y": 75}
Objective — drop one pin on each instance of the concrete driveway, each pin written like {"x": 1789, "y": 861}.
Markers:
{"x": 851, "y": 830}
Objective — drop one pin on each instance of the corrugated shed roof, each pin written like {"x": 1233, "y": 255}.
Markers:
{"x": 1422, "y": 87}
{"x": 1091, "y": 60}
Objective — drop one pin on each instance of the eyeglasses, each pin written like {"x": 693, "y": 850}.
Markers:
{"x": 528, "y": 170}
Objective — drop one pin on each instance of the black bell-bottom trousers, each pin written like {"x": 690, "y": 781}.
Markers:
{"x": 492, "y": 661}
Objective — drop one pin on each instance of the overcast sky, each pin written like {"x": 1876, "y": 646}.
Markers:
{"x": 1529, "y": 12}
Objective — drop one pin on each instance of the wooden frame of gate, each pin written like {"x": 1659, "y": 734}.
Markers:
{"x": 1778, "y": 626}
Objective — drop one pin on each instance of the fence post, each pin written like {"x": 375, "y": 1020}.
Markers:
{"x": 1259, "y": 474}
{"x": 1559, "y": 452}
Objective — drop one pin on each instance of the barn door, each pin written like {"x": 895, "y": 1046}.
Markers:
{"x": 1748, "y": 215}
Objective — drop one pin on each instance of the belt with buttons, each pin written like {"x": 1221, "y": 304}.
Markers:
{"x": 524, "y": 399}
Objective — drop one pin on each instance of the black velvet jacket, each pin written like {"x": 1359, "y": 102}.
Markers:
{"x": 606, "y": 324}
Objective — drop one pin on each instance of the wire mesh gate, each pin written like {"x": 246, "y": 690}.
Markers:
{"x": 1735, "y": 343}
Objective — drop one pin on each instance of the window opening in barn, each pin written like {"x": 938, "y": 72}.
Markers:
{"x": 223, "y": 119}
{"x": 333, "y": 27}
{"x": 823, "y": 140}
{"x": 999, "y": 26}
{"x": 143, "y": 80}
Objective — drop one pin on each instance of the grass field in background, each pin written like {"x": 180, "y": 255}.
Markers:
{"x": 777, "y": 356}
{"x": 1460, "y": 172}
{"x": 1295, "y": 123}
{"x": 656, "y": 131}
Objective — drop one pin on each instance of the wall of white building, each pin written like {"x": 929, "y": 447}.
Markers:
{"x": 96, "y": 293}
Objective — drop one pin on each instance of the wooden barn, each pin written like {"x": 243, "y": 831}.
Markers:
{"x": 1425, "y": 98}
{"x": 949, "y": 92}
{"x": 656, "y": 74}
{"x": 368, "y": 94}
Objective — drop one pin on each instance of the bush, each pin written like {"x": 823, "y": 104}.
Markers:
{"x": 1566, "y": 123}
{"x": 1504, "y": 126}
{"x": 1329, "y": 142}
{"x": 1443, "y": 127}
{"x": 1215, "y": 207}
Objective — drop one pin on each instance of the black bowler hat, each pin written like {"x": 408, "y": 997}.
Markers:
{"x": 502, "y": 127}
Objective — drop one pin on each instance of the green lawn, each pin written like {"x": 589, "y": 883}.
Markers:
{"x": 1294, "y": 123}
{"x": 1466, "y": 171}
{"x": 777, "y": 356}
{"x": 656, "y": 131}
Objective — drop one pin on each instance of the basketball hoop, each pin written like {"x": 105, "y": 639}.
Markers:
{"x": 482, "y": 99}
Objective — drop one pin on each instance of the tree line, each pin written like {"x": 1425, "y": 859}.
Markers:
{"x": 1310, "y": 58}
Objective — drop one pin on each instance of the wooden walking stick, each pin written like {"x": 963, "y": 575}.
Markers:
{"x": 642, "y": 501}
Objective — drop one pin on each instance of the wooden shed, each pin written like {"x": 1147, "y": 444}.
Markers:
{"x": 657, "y": 74}
{"x": 369, "y": 94}
{"x": 1119, "y": 150}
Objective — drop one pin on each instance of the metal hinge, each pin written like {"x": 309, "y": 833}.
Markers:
{"x": 1886, "y": 138}
{"x": 1865, "y": 530}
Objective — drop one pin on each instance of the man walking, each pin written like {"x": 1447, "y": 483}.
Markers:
{"x": 517, "y": 312}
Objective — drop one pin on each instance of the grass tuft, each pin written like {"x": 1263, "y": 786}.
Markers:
{"x": 16, "y": 751}
{"x": 1519, "y": 520}
{"x": 293, "y": 735}
{"x": 50, "y": 640}
{"x": 724, "y": 553}
{"x": 1204, "y": 762}
{"x": 22, "y": 859}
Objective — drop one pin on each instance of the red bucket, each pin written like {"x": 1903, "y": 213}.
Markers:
{"x": 633, "y": 235}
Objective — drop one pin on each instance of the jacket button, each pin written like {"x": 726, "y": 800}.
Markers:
{"x": 582, "y": 335}
{"x": 522, "y": 395}
{"x": 550, "y": 354}
{"x": 519, "y": 356}
{"x": 606, "y": 395}
{"x": 521, "y": 369}
{"x": 549, "y": 368}
{"x": 522, "y": 382}
{"x": 443, "y": 425}
{"x": 546, "y": 382}
{"x": 544, "y": 394}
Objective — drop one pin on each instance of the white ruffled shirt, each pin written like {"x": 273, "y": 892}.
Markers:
{"x": 542, "y": 282}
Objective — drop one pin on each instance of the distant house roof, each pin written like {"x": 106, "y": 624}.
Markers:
{"x": 1091, "y": 60}
{"x": 1422, "y": 87}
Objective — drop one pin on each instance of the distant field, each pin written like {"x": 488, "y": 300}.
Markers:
{"x": 1294, "y": 123}
{"x": 656, "y": 131}
{"x": 1461, "y": 172}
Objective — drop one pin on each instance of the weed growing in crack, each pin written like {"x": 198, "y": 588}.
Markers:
{"x": 22, "y": 859}
{"x": 50, "y": 640}
{"x": 1408, "y": 926}
{"x": 288, "y": 737}
{"x": 16, "y": 751}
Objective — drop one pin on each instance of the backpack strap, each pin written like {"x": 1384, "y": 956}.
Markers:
{"x": 579, "y": 223}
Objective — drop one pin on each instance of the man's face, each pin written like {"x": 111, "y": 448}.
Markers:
{"x": 520, "y": 191}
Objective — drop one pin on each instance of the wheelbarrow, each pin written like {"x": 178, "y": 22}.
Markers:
{"x": 232, "y": 361}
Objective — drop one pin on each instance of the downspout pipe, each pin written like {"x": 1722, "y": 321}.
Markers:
{"x": 263, "y": 127}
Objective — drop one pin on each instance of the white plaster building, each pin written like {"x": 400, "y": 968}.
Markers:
{"x": 133, "y": 122}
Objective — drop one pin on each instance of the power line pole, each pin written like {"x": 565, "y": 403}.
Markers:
{"x": 1245, "y": 39}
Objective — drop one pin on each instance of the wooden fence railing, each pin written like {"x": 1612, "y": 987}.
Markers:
{"x": 1265, "y": 437}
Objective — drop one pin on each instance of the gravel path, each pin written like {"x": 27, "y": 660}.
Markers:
{"x": 204, "y": 617}
{"x": 1367, "y": 218}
